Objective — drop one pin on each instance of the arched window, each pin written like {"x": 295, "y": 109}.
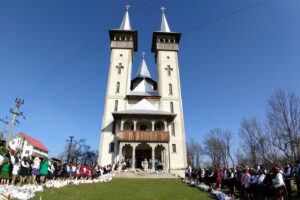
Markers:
{"x": 171, "y": 107}
{"x": 118, "y": 87}
{"x": 143, "y": 127}
{"x": 116, "y": 105}
{"x": 170, "y": 89}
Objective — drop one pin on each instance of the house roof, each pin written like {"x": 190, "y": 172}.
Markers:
{"x": 33, "y": 142}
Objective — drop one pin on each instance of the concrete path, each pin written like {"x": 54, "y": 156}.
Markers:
{"x": 142, "y": 174}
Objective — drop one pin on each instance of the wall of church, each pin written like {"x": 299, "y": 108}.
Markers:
{"x": 168, "y": 74}
{"x": 118, "y": 85}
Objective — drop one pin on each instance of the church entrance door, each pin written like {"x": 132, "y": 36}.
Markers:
{"x": 141, "y": 155}
{"x": 142, "y": 152}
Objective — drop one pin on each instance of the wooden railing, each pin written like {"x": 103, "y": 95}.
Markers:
{"x": 143, "y": 136}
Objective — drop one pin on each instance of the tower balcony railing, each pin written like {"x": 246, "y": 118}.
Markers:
{"x": 143, "y": 136}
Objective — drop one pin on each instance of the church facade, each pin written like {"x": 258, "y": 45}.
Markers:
{"x": 143, "y": 118}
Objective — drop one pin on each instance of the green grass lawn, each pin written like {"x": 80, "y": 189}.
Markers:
{"x": 127, "y": 189}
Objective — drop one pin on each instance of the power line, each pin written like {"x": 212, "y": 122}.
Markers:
{"x": 227, "y": 15}
{"x": 62, "y": 68}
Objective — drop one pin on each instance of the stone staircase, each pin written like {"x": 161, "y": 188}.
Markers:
{"x": 144, "y": 174}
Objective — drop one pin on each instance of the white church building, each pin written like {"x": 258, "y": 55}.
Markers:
{"x": 143, "y": 118}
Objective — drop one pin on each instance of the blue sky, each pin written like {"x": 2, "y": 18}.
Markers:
{"x": 55, "y": 55}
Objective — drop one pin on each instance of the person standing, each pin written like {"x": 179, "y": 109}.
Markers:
{"x": 287, "y": 172}
{"x": 278, "y": 184}
{"x": 24, "y": 170}
{"x": 5, "y": 170}
{"x": 35, "y": 168}
{"x": 297, "y": 176}
{"x": 15, "y": 170}
{"x": 44, "y": 169}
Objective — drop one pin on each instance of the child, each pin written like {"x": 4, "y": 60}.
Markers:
{"x": 5, "y": 170}
{"x": 15, "y": 171}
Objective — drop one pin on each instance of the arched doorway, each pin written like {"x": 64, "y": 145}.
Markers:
{"x": 127, "y": 154}
{"x": 160, "y": 157}
{"x": 143, "y": 151}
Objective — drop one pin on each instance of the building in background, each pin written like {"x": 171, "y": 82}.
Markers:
{"x": 28, "y": 146}
{"x": 143, "y": 118}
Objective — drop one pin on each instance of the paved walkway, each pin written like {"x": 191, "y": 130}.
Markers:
{"x": 142, "y": 174}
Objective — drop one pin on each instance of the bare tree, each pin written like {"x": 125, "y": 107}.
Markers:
{"x": 194, "y": 153}
{"x": 283, "y": 119}
{"x": 215, "y": 148}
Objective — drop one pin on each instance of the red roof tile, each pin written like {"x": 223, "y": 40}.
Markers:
{"x": 34, "y": 142}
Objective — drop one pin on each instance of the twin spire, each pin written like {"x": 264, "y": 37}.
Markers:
{"x": 143, "y": 71}
{"x": 125, "y": 25}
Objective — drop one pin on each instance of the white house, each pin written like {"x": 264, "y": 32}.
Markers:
{"x": 28, "y": 146}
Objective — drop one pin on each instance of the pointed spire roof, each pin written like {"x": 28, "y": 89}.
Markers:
{"x": 143, "y": 71}
{"x": 164, "y": 27}
{"x": 126, "y": 22}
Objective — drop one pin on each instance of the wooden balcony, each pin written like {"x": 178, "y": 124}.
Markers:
{"x": 143, "y": 136}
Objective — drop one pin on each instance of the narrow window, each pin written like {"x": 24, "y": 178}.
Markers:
{"x": 118, "y": 87}
{"x": 174, "y": 148}
{"x": 116, "y": 105}
{"x": 168, "y": 57}
{"x": 121, "y": 55}
{"x": 111, "y": 147}
{"x": 113, "y": 128}
{"x": 171, "y": 107}
{"x": 173, "y": 129}
{"x": 170, "y": 89}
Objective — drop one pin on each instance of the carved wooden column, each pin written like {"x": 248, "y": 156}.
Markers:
{"x": 167, "y": 158}
{"x": 121, "y": 145}
{"x": 153, "y": 125}
{"x": 153, "y": 157}
{"x": 133, "y": 156}
{"x": 134, "y": 125}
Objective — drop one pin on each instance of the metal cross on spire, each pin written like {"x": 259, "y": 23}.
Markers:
{"x": 143, "y": 53}
{"x": 127, "y": 7}
{"x": 163, "y": 9}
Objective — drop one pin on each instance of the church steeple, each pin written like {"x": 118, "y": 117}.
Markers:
{"x": 164, "y": 27}
{"x": 143, "y": 71}
{"x": 125, "y": 25}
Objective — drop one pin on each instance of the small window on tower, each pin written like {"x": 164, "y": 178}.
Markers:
{"x": 171, "y": 107}
{"x": 170, "y": 89}
{"x": 168, "y": 57}
{"x": 111, "y": 147}
{"x": 113, "y": 128}
{"x": 116, "y": 105}
{"x": 174, "y": 148}
{"x": 173, "y": 129}
{"x": 121, "y": 55}
{"x": 118, "y": 87}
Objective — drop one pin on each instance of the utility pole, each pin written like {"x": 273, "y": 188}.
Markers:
{"x": 15, "y": 113}
{"x": 69, "y": 149}
{"x": 4, "y": 128}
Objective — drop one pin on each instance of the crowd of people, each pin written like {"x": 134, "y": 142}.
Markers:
{"x": 251, "y": 183}
{"x": 21, "y": 170}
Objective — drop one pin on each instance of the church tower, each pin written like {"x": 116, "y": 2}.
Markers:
{"x": 165, "y": 46}
{"x": 123, "y": 43}
{"x": 142, "y": 125}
